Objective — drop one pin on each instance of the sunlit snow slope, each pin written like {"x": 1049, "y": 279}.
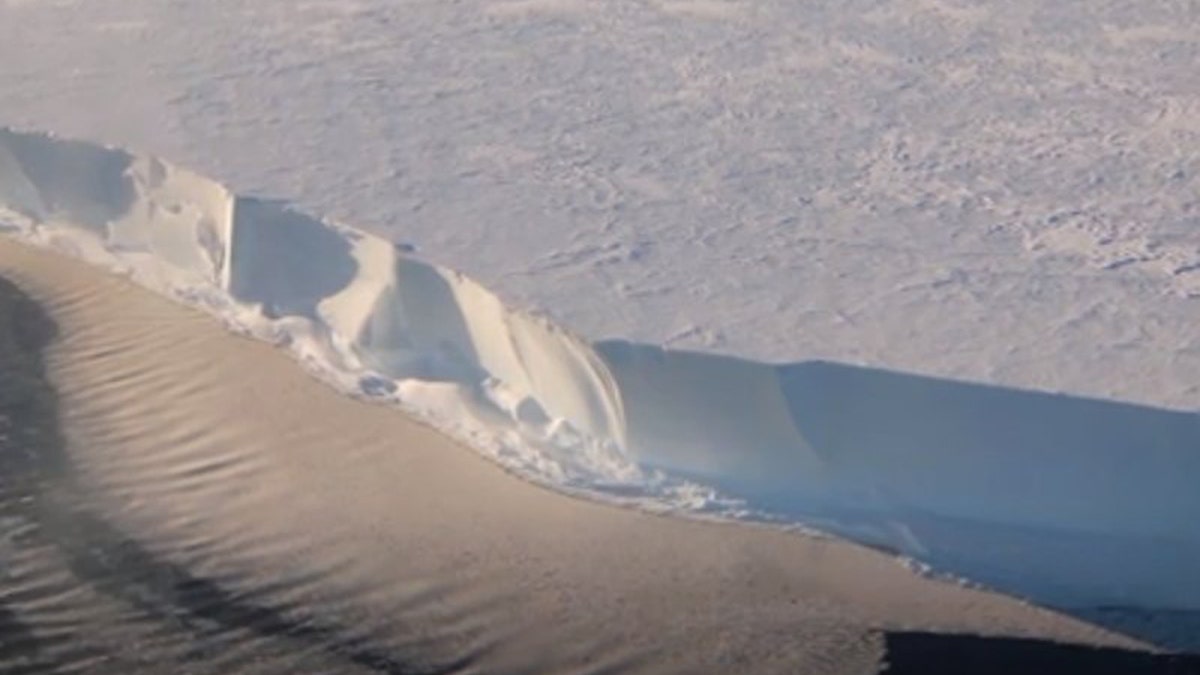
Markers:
{"x": 1066, "y": 500}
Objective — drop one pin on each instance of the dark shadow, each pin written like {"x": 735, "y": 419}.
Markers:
{"x": 37, "y": 489}
{"x": 1173, "y": 630}
{"x": 939, "y": 654}
{"x": 434, "y": 322}
{"x": 121, "y": 568}
{"x": 18, "y": 642}
{"x": 75, "y": 181}
{"x": 285, "y": 260}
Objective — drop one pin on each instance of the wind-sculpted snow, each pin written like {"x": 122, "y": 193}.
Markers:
{"x": 1067, "y": 501}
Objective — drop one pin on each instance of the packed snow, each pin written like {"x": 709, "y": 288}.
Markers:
{"x": 1066, "y": 500}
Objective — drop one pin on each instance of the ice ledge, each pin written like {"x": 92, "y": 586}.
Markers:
{"x": 1064, "y": 500}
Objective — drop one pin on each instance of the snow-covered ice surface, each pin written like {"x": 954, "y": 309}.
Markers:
{"x": 998, "y": 192}
{"x": 1001, "y": 193}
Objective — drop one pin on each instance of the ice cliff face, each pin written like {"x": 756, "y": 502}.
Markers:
{"x": 1065, "y": 500}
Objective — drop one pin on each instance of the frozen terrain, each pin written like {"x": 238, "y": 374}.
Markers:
{"x": 176, "y": 499}
{"x": 1003, "y": 193}
{"x": 1069, "y": 501}
{"x": 843, "y": 211}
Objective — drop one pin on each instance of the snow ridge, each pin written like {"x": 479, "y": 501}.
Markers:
{"x": 1064, "y": 500}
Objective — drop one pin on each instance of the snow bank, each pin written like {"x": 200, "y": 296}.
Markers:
{"x": 1068, "y": 501}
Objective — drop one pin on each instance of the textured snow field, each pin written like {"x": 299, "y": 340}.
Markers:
{"x": 1001, "y": 192}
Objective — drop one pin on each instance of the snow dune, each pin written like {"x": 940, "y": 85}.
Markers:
{"x": 1068, "y": 501}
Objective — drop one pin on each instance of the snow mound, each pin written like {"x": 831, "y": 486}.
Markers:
{"x": 1067, "y": 501}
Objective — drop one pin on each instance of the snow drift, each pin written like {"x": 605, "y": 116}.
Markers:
{"x": 1067, "y": 501}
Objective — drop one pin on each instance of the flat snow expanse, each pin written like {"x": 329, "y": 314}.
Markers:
{"x": 1000, "y": 192}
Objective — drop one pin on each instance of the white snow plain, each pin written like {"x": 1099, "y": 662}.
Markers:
{"x": 1002, "y": 193}
{"x": 997, "y": 192}
{"x": 1065, "y": 500}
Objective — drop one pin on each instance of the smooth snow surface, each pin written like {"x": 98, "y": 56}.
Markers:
{"x": 1065, "y": 500}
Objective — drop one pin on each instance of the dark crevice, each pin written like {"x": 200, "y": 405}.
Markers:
{"x": 943, "y": 654}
